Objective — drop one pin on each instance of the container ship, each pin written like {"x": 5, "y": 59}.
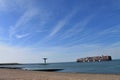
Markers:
{"x": 95, "y": 59}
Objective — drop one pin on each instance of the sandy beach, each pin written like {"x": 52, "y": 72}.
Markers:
{"x": 14, "y": 74}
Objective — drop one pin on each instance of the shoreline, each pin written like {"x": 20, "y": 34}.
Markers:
{"x": 55, "y": 70}
{"x": 17, "y": 74}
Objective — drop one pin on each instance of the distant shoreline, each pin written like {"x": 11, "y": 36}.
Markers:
{"x": 10, "y": 64}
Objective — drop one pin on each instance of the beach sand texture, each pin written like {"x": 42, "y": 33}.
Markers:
{"x": 14, "y": 74}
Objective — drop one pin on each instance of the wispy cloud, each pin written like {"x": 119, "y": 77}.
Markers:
{"x": 2, "y": 4}
{"x": 62, "y": 23}
{"x": 31, "y": 21}
{"x": 19, "y": 36}
{"x": 77, "y": 28}
{"x": 25, "y": 18}
{"x": 111, "y": 30}
{"x": 11, "y": 5}
{"x": 26, "y": 9}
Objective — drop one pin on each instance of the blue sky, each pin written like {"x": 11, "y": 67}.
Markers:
{"x": 62, "y": 30}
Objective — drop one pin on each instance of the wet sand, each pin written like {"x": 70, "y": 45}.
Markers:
{"x": 15, "y": 74}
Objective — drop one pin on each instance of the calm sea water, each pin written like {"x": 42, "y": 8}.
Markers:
{"x": 107, "y": 67}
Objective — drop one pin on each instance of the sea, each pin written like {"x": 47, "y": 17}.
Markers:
{"x": 105, "y": 67}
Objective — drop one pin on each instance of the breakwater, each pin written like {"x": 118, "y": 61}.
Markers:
{"x": 95, "y": 59}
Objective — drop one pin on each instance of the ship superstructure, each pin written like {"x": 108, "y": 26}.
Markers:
{"x": 95, "y": 59}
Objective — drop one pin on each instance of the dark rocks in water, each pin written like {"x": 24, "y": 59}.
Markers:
{"x": 47, "y": 69}
{"x": 10, "y": 67}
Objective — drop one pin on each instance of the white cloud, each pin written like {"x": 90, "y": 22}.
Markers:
{"x": 22, "y": 35}
{"x": 5, "y": 5}
{"x": 2, "y": 4}
{"x": 30, "y": 21}
{"x": 77, "y": 28}
{"x": 111, "y": 30}
{"x": 25, "y": 18}
{"x": 26, "y": 9}
{"x": 12, "y": 5}
{"x": 62, "y": 23}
